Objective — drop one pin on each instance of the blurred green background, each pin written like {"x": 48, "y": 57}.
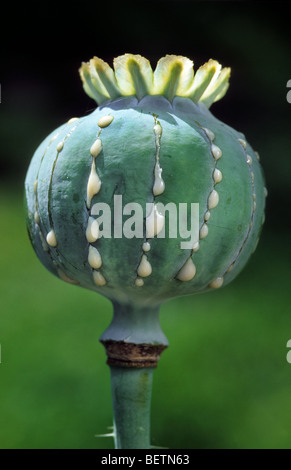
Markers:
{"x": 224, "y": 382}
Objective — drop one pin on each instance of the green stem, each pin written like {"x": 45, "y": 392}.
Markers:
{"x": 131, "y": 397}
{"x": 133, "y": 341}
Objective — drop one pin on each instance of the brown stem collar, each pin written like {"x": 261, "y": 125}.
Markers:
{"x": 124, "y": 354}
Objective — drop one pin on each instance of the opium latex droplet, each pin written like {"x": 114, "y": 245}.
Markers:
{"x": 92, "y": 231}
{"x": 144, "y": 268}
{"x": 94, "y": 257}
{"x": 51, "y": 238}
{"x": 187, "y": 272}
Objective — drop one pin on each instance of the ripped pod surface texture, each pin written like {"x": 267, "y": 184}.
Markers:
{"x": 152, "y": 143}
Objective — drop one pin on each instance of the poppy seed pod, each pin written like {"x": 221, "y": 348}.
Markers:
{"x": 148, "y": 197}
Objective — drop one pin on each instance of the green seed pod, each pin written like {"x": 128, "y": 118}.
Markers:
{"x": 103, "y": 190}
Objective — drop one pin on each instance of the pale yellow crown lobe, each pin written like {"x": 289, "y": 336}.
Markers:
{"x": 132, "y": 75}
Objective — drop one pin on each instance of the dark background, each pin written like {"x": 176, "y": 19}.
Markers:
{"x": 225, "y": 381}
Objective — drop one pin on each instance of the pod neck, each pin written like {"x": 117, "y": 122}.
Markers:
{"x": 134, "y": 338}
